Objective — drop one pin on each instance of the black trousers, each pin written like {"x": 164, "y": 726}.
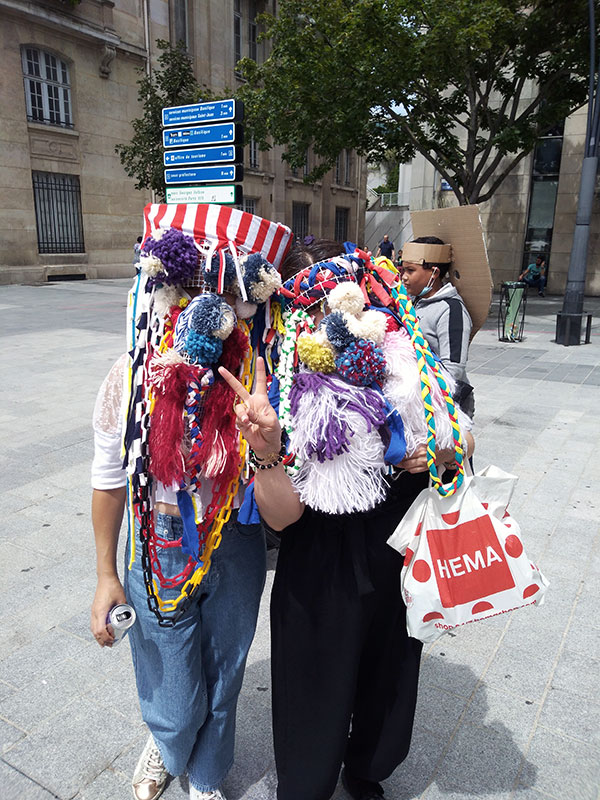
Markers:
{"x": 344, "y": 670}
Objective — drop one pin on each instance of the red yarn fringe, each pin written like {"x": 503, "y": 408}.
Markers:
{"x": 166, "y": 424}
{"x": 219, "y": 434}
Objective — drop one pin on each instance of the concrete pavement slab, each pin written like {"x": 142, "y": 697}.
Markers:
{"x": 478, "y": 733}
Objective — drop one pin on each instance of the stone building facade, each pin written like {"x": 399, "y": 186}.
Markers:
{"x": 533, "y": 211}
{"x": 69, "y": 91}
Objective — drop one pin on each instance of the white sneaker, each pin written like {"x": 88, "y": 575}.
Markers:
{"x": 150, "y": 776}
{"x": 214, "y": 794}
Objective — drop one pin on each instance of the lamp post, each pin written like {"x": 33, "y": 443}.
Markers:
{"x": 569, "y": 320}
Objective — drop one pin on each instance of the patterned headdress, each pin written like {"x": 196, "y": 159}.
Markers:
{"x": 224, "y": 238}
{"x": 180, "y": 424}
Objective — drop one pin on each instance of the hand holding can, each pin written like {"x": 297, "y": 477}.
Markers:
{"x": 121, "y": 617}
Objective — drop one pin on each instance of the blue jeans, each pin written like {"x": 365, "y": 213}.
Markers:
{"x": 189, "y": 676}
{"x": 540, "y": 282}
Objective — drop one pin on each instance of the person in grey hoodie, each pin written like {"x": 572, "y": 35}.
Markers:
{"x": 441, "y": 312}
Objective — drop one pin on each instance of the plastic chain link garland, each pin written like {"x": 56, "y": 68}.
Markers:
{"x": 209, "y": 529}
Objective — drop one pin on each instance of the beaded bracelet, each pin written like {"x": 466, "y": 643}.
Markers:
{"x": 258, "y": 463}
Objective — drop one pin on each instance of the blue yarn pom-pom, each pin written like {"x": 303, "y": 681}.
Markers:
{"x": 337, "y": 331}
{"x": 251, "y": 267}
{"x": 212, "y": 278}
{"x": 207, "y": 314}
{"x": 203, "y": 349}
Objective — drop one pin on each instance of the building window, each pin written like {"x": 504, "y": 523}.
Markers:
{"x": 338, "y": 169}
{"x": 252, "y": 32}
{"x": 306, "y": 167}
{"x": 542, "y": 197}
{"x": 47, "y": 88}
{"x": 250, "y": 204}
{"x": 179, "y": 22}
{"x": 300, "y": 213}
{"x": 237, "y": 31}
{"x": 348, "y": 167}
{"x": 341, "y": 224}
{"x": 253, "y": 157}
{"x": 58, "y": 213}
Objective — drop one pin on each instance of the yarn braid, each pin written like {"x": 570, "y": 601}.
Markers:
{"x": 425, "y": 359}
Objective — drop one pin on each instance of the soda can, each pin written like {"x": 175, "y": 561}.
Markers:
{"x": 121, "y": 617}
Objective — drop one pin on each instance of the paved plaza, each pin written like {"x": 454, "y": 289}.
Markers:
{"x": 508, "y": 708}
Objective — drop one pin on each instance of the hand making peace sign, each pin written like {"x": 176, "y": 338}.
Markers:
{"x": 256, "y": 417}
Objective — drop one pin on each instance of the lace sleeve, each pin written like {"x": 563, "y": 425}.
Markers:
{"x": 107, "y": 411}
{"x": 107, "y": 467}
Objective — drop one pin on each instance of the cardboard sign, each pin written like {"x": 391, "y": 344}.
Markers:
{"x": 470, "y": 271}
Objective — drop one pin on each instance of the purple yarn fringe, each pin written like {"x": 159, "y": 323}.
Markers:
{"x": 335, "y": 432}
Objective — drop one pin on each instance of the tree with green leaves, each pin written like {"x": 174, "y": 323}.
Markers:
{"x": 471, "y": 85}
{"x": 172, "y": 83}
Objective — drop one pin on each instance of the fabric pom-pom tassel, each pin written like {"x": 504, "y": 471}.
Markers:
{"x": 361, "y": 363}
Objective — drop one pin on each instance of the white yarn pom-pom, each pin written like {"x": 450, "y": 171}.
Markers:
{"x": 368, "y": 325}
{"x": 228, "y": 320}
{"x": 346, "y": 296}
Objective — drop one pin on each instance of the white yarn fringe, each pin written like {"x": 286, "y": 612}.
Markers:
{"x": 403, "y": 389}
{"x": 351, "y": 481}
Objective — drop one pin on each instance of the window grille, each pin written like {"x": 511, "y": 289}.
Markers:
{"x": 47, "y": 88}
{"x": 58, "y": 213}
{"x": 300, "y": 213}
{"x": 249, "y": 205}
{"x": 341, "y": 224}
{"x": 348, "y": 169}
{"x": 306, "y": 167}
{"x": 253, "y": 157}
{"x": 338, "y": 169}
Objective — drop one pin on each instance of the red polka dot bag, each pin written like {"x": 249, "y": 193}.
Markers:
{"x": 464, "y": 557}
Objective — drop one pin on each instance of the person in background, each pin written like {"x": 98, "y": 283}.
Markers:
{"x": 386, "y": 248}
{"x": 442, "y": 314}
{"x": 137, "y": 249}
{"x": 535, "y": 275}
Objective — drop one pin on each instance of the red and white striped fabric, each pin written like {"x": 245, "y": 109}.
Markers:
{"x": 216, "y": 227}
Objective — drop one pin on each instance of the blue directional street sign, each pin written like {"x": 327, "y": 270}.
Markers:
{"x": 228, "y": 133}
{"x": 203, "y": 155}
{"x": 203, "y": 174}
{"x": 196, "y": 113}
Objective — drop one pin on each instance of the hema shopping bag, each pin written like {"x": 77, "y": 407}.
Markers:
{"x": 464, "y": 558}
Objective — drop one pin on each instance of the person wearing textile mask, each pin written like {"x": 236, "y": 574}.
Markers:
{"x": 344, "y": 671}
{"x": 441, "y": 312}
{"x": 166, "y": 440}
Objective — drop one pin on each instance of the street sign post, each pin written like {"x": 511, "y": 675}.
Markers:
{"x": 203, "y": 144}
{"x": 204, "y": 155}
{"x": 225, "y": 194}
{"x": 204, "y": 174}
{"x": 198, "y": 113}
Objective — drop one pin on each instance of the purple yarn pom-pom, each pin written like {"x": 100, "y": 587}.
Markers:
{"x": 178, "y": 255}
